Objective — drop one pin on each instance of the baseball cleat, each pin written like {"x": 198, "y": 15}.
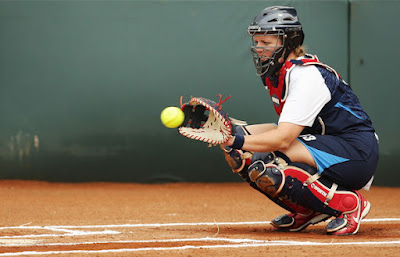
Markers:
{"x": 294, "y": 222}
{"x": 349, "y": 223}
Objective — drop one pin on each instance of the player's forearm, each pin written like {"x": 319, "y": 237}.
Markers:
{"x": 266, "y": 142}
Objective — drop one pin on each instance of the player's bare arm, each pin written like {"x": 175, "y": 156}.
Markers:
{"x": 277, "y": 138}
{"x": 280, "y": 138}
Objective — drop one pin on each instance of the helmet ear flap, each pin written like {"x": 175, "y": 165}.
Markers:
{"x": 294, "y": 40}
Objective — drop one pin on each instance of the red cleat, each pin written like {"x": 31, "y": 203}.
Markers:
{"x": 349, "y": 223}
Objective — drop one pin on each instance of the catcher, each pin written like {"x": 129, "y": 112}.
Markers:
{"x": 323, "y": 148}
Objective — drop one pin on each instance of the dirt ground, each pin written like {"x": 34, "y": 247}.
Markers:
{"x": 179, "y": 219}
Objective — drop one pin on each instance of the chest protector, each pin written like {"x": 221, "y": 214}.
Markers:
{"x": 278, "y": 85}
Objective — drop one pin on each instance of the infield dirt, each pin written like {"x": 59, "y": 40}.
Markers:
{"x": 180, "y": 219}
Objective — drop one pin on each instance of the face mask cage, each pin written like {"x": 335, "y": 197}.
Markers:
{"x": 266, "y": 58}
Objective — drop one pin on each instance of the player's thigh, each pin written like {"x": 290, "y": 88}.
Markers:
{"x": 340, "y": 161}
{"x": 298, "y": 152}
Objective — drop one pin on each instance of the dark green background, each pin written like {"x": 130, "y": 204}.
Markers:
{"x": 90, "y": 78}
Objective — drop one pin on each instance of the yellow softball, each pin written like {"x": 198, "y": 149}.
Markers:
{"x": 172, "y": 117}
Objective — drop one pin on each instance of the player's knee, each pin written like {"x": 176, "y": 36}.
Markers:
{"x": 266, "y": 174}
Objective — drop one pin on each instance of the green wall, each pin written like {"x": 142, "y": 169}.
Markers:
{"x": 374, "y": 31}
{"x": 90, "y": 78}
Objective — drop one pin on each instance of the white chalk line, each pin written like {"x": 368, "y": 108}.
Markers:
{"x": 230, "y": 240}
{"x": 170, "y": 224}
{"x": 70, "y": 232}
{"x": 106, "y": 232}
{"x": 203, "y": 239}
{"x": 241, "y": 245}
{"x": 234, "y": 243}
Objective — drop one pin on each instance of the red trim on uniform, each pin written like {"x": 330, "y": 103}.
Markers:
{"x": 278, "y": 92}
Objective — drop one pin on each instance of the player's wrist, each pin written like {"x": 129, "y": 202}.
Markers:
{"x": 238, "y": 142}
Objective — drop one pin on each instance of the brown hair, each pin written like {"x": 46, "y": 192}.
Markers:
{"x": 299, "y": 51}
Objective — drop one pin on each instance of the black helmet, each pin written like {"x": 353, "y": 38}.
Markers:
{"x": 283, "y": 22}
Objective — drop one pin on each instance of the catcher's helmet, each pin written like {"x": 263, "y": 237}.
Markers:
{"x": 283, "y": 22}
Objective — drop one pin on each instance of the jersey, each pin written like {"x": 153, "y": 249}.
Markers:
{"x": 308, "y": 95}
{"x": 340, "y": 135}
{"x": 343, "y": 113}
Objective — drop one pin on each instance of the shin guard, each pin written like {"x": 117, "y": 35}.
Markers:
{"x": 297, "y": 190}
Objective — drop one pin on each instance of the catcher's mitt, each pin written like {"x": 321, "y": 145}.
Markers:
{"x": 206, "y": 121}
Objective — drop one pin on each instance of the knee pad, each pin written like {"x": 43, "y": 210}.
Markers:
{"x": 295, "y": 188}
{"x": 266, "y": 174}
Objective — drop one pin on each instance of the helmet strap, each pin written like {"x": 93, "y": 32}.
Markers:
{"x": 277, "y": 65}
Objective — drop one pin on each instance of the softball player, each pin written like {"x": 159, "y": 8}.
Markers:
{"x": 324, "y": 147}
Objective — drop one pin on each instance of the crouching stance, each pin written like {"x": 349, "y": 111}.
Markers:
{"x": 323, "y": 147}
{"x": 309, "y": 197}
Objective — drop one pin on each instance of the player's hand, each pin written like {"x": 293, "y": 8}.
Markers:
{"x": 229, "y": 142}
